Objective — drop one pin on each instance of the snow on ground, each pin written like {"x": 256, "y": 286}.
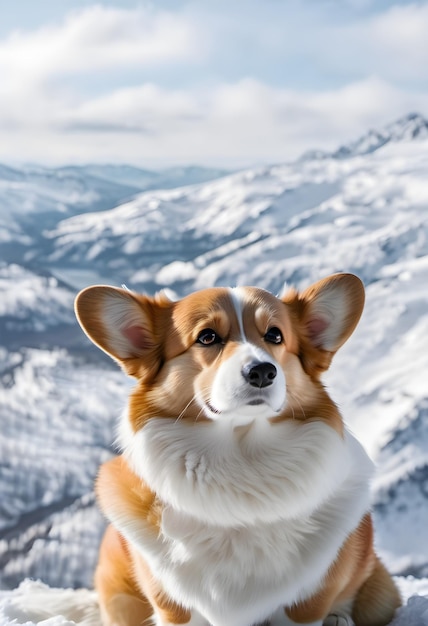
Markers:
{"x": 57, "y": 427}
{"x": 36, "y": 604}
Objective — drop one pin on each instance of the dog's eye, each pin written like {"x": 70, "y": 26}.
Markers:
{"x": 208, "y": 337}
{"x": 273, "y": 335}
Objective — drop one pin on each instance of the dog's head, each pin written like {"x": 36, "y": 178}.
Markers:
{"x": 231, "y": 355}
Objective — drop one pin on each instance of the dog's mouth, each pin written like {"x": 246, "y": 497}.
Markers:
{"x": 251, "y": 402}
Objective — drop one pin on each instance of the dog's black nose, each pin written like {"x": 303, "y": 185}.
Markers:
{"x": 259, "y": 374}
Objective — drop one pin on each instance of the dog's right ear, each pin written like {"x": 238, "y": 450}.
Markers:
{"x": 127, "y": 326}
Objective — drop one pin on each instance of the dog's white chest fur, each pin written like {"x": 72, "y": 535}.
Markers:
{"x": 251, "y": 520}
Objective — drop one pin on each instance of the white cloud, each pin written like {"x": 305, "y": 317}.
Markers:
{"x": 147, "y": 108}
{"x": 219, "y": 91}
{"x": 35, "y": 65}
{"x": 392, "y": 44}
{"x": 399, "y": 38}
{"x": 98, "y": 38}
{"x": 229, "y": 124}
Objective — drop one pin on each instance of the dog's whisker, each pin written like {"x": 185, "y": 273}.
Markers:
{"x": 181, "y": 414}
{"x": 200, "y": 412}
{"x": 296, "y": 399}
{"x": 292, "y": 411}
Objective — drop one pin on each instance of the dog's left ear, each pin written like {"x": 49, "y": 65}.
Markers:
{"x": 328, "y": 313}
{"x": 128, "y": 326}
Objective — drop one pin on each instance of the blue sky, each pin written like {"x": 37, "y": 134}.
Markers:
{"x": 226, "y": 83}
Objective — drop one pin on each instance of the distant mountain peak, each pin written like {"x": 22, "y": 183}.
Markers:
{"x": 407, "y": 128}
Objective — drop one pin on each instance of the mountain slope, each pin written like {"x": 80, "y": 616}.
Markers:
{"x": 309, "y": 217}
{"x": 34, "y": 198}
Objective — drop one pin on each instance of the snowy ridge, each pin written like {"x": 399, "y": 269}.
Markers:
{"x": 410, "y": 127}
{"x": 60, "y": 398}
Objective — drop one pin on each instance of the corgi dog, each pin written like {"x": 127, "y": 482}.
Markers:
{"x": 240, "y": 497}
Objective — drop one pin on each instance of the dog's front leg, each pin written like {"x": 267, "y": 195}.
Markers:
{"x": 280, "y": 618}
{"x": 338, "y": 618}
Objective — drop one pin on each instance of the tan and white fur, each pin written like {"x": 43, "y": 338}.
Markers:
{"x": 240, "y": 497}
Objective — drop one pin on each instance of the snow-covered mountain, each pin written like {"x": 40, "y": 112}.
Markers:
{"x": 410, "y": 127}
{"x": 34, "y": 198}
{"x": 363, "y": 209}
